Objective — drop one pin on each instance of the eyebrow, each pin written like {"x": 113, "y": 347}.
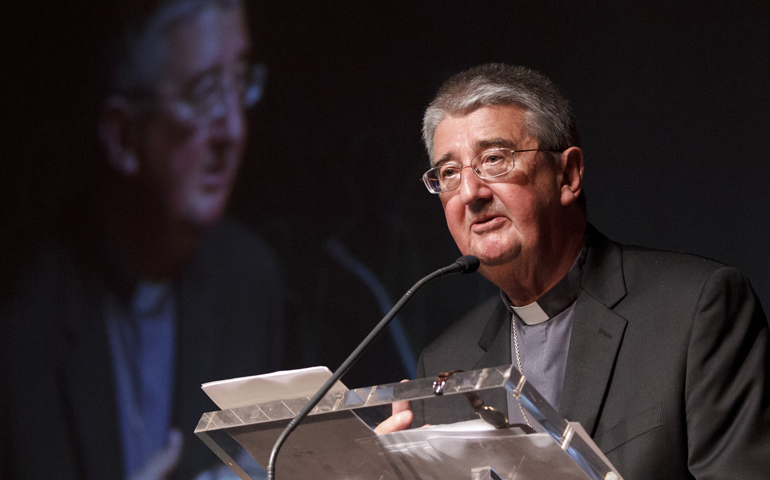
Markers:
{"x": 498, "y": 142}
{"x": 445, "y": 158}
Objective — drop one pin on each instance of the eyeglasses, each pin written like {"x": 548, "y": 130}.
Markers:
{"x": 208, "y": 97}
{"x": 486, "y": 165}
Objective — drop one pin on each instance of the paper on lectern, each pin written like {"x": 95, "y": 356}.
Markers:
{"x": 283, "y": 385}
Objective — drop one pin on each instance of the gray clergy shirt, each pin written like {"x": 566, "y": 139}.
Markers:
{"x": 543, "y": 330}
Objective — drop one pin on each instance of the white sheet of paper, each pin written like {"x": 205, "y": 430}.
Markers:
{"x": 283, "y": 385}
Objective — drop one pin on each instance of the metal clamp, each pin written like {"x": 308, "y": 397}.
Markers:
{"x": 566, "y": 437}
{"x": 438, "y": 385}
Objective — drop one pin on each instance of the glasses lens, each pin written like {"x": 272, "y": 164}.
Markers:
{"x": 442, "y": 178}
{"x": 205, "y": 95}
{"x": 493, "y": 163}
{"x": 209, "y": 96}
{"x": 431, "y": 182}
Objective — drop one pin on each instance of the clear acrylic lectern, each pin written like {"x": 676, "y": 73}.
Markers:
{"x": 336, "y": 441}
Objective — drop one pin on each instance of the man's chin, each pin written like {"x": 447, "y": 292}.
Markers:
{"x": 493, "y": 262}
{"x": 493, "y": 257}
{"x": 205, "y": 214}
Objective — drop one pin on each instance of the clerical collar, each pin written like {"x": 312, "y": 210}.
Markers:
{"x": 555, "y": 300}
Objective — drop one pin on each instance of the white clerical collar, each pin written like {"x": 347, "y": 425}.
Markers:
{"x": 531, "y": 314}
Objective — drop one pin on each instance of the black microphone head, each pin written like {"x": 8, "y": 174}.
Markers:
{"x": 469, "y": 263}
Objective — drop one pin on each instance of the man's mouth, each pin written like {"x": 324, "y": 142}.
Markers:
{"x": 487, "y": 223}
{"x": 216, "y": 174}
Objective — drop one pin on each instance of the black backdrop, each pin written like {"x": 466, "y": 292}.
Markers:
{"x": 671, "y": 99}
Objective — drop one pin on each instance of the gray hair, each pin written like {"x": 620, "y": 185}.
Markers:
{"x": 549, "y": 117}
{"x": 136, "y": 57}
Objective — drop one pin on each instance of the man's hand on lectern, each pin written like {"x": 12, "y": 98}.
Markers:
{"x": 400, "y": 418}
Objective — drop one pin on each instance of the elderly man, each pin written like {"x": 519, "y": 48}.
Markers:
{"x": 661, "y": 357}
{"x": 146, "y": 294}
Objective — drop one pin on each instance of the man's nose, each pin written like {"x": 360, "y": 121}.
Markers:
{"x": 472, "y": 188}
{"x": 229, "y": 124}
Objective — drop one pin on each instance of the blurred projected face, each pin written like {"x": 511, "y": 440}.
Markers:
{"x": 190, "y": 144}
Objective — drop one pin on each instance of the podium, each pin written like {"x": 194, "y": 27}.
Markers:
{"x": 336, "y": 441}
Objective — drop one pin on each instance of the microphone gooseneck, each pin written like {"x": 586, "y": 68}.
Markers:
{"x": 464, "y": 264}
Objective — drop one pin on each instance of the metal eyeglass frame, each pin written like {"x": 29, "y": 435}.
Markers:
{"x": 430, "y": 183}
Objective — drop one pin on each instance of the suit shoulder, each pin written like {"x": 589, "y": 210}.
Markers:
{"x": 608, "y": 258}
{"x": 680, "y": 284}
{"x": 669, "y": 258}
{"x": 672, "y": 268}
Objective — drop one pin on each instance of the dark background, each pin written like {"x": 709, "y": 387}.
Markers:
{"x": 671, "y": 100}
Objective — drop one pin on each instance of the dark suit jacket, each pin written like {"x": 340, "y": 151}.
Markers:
{"x": 667, "y": 366}
{"x": 60, "y": 416}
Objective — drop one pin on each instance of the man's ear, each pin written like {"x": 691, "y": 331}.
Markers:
{"x": 572, "y": 177}
{"x": 115, "y": 133}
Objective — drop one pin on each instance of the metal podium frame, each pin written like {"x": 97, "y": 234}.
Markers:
{"x": 335, "y": 430}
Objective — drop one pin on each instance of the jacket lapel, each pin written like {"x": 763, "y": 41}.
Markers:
{"x": 199, "y": 335}
{"x": 596, "y": 336}
{"x": 197, "y": 340}
{"x": 597, "y": 332}
{"x": 87, "y": 380}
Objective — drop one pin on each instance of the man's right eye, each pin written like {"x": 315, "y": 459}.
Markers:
{"x": 204, "y": 91}
{"x": 448, "y": 171}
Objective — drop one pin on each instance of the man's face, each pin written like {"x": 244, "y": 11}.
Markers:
{"x": 507, "y": 220}
{"x": 188, "y": 159}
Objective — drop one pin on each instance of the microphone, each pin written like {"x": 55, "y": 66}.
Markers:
{"x": 464, "y": 264}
